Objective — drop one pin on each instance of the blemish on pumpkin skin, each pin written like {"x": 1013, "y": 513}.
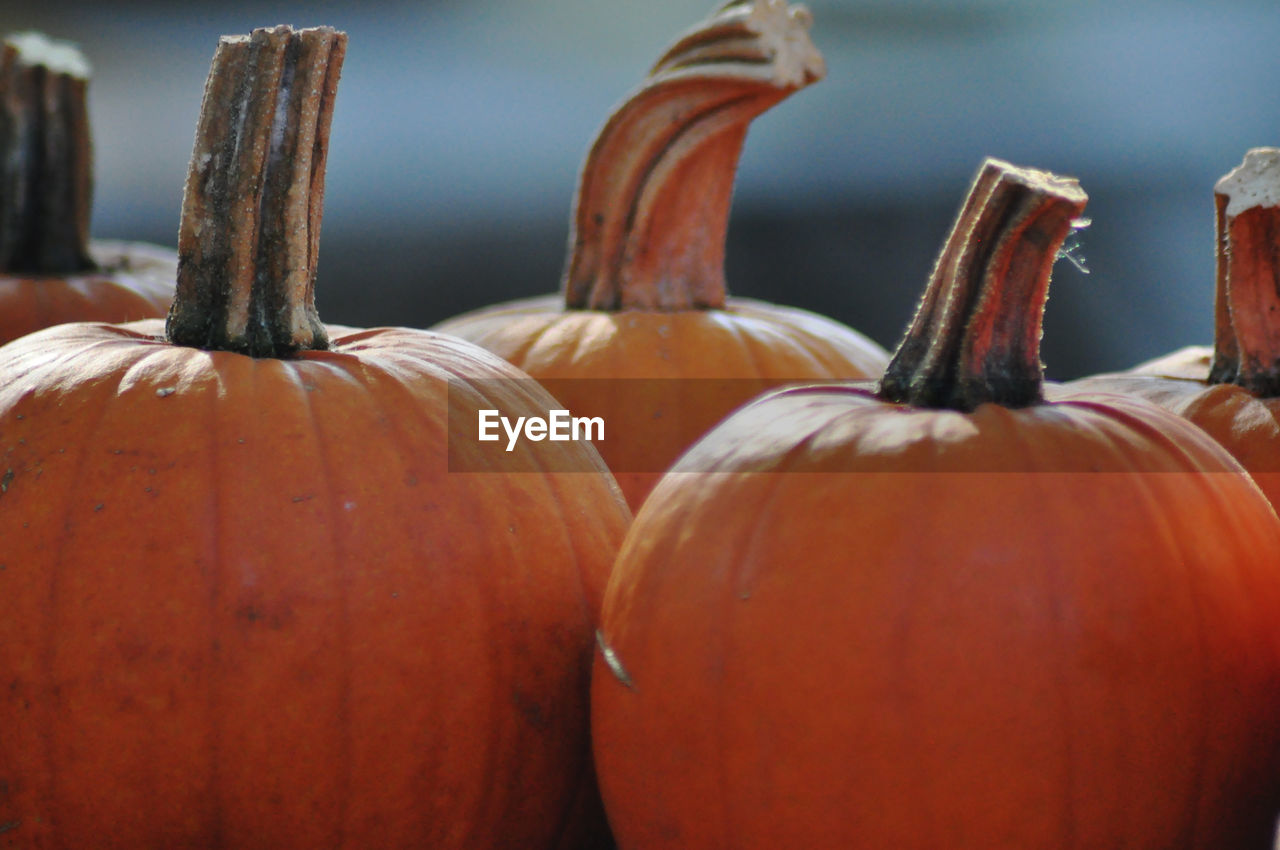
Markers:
{"x": 531, "y": 710}
{"x": 6, "y": 480}
{"x": 255, "y": 614}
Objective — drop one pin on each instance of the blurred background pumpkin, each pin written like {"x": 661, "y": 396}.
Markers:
{"x": 457, "y": 143}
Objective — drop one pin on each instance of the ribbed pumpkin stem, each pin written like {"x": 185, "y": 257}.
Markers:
{"x": 46, "y": 167}
{"x": 251, "y": 212}
{"x": 652, "y": 206}
{"x": 976, "y": 335}
{"x": 1247, "y": 322}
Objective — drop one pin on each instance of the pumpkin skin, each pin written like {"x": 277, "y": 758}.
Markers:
{"x": 660, "y": 380}
{"x": 133, "y": 281}
{"x": 852, "y": 624}
{"x": 248, "y": 605}
{"x": 969, "y": 617}
{"x": 1245, "y": 424}
{"x": 644, "y": 335}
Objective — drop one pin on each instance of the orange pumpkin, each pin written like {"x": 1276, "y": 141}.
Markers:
{"x": 1231, "y": 390}
{"x": 644, "y": 336}
{"x": 49, "y": 270}
{"x": 246, "y": 602}
{"x": 948, "y": 613}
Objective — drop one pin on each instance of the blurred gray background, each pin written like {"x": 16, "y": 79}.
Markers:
{"x": 459, "y": 128}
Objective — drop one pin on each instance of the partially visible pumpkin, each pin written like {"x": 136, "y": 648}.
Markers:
{"x": 50, "y": 272}
{"x": 644, "y": 335}
{"x": 1232, "y": 389}
{"x": 948, "y": 614}
{"x": 246, "y": 601}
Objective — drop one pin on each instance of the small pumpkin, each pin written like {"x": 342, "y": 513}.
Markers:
{"x": 246, "y": 602}
{"x": 644, "y": 335}
{"x": 50, "y": 272}
{"x": 946, "y": 612}
{"x": 1232, "y": 389}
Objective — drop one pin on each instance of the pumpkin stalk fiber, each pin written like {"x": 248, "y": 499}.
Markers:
{"x": 46, "y": 168}
{"x": 251, "y": 211}
{"x": 1246, "y": 348}
{"x": 975, "y": 338}
{"x": 652, "y": 207}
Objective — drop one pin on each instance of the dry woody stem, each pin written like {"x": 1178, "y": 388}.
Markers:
{"x": 652, "y": 207}
{"x": 975, "y": 338}
{"x": 1247, "y": 321}
{"x": 250, "y": 230}
{"x": 46, "y": 168}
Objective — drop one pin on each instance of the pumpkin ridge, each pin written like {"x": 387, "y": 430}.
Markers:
{"x": 1188, "y": 830}
{"x": 385, "y": 378}
{"x": 49, "y": 730}
{"x": 338, "y": 554}
{"x": 744, "y": 341}
{"x": 529, "y": 344}
{"x": 217, "y": 587}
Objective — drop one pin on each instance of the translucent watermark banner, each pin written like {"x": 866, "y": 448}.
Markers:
{"x": 639, "y": 425}
{"x": 644, "y": 426}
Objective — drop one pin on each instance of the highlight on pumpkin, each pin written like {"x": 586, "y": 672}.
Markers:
{"x": 251, "y": 212}
{"x": 652, "y": 206}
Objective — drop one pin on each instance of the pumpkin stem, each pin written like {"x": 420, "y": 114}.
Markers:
{"x": 975, "y": 337}
{"x": 254, "y": 196}
{"x": 46, "y": 168}
{"x": 652, "y": 207}
{"x": 1247, "y": 330}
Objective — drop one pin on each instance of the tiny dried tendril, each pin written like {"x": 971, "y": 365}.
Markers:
{"x": 1072, "y": 250}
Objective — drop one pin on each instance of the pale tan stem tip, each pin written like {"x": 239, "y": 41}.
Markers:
{"x": 1253, "y": 183}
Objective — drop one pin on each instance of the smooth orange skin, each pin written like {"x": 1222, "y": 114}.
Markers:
{"x": 136, "y": 282}
{"x": 756, "y": 345}
{"x": 858, "y": 625}
{"x": 1245, "y": 425}
{"x": 247, "y": 605}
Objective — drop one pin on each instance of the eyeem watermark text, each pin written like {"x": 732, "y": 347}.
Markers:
{"x": 557, "y": 426}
